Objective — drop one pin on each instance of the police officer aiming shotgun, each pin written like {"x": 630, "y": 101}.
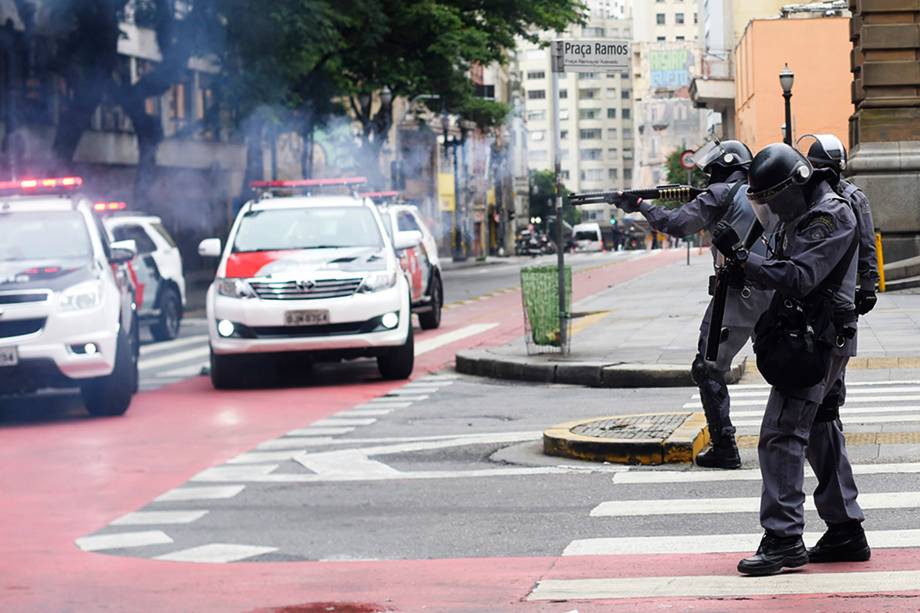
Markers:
{"x": 803, "y": 343}
{"x": 724, "y": 200}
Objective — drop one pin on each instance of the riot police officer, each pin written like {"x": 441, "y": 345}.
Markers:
{"x": 812, "y": 264}
{"x": 726, "y": 163}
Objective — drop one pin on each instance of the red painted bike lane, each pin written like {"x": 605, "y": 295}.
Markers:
{"x": 65, "y": 479}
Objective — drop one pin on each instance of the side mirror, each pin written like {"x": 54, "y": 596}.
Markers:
{"x": 123, "y": 252}
{"x": 407, "y": 239}
{"x": 209, "y": 248}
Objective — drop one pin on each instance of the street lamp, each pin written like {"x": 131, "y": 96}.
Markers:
{"x": 458, "y": 243}
{"x": 786, "y": 79}
{"x": 386, "y": 96}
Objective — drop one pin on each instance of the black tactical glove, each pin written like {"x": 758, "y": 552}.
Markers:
{"x": 725, "y": 239}
{"x": 627, "y": 203}
{"x": 865, "y": 301}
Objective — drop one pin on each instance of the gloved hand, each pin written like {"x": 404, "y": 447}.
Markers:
{"x": 725, "y": 239}
{"x": 865, "y": 301}
{"x": 628, "y": 204}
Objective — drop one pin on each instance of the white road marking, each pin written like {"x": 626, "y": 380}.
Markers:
{"x": 847, "y": 412}
{"x": 716, "y": 543}
{"x": 885, "y": 419}
{"x": 759, "y": 403}
{"x": 310, "y": 430}
{"x": 343, "y": 421}
{"x": 216, "y": 553}
{"x": 727, "y": 585}
{"x": 417, "y": 390}
{"x": 850, "y": 384}
{"x": 424, "y": 346}
{"x": 234, "y": 473}
{"x": 201, "y": 493}
{"x": 390, "y": 405}
{"x": 751, "y": 474}
{"x": 217, "y": 477}
{"x": 696, "y": 506}
{"x": 342, "y": 465}
{"x": 262, "y": 457}
{"x": 858, "y": 391}
{"x": 295, "y": 442}
{"x": 147, "y": 518}
{"x": 174, "y": 358}
{"x": 362, "y": 412}
{"x": 173, "y": 344}
{"x": 445, "y": 379}
{"x": 123, "y": 540}
{"x": 398, "y": 399}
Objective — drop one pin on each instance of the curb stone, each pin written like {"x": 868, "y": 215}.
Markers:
{"x": 484, "y": 363}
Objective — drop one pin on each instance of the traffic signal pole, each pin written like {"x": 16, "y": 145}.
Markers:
{"x": 557, "y": 67}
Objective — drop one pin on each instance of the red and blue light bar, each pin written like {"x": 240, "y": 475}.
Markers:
{"x": 53, "y": 184}
{"x": 109, "y": 207}
{"x": 380, "y": 195}
{"x": 308, "y": 183}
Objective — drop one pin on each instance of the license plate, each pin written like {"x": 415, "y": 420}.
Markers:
{"x": 9, "y": 356}
{"x": 306, "y": 318}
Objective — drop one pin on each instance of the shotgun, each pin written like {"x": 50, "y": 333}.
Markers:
{"x": 671, "y": 193}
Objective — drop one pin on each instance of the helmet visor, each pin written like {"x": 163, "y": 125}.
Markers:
{"x": 832, "y": 147}
{"x": 707, "y": 154}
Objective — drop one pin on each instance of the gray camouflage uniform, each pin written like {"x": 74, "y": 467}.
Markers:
{"x": 807, "y": 250}
{"x": 743, "y": 307}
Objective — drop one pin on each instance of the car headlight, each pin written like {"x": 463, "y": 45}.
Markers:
{"x": 81, "y": 297}
{"x": 377, "y": 281}
{"x": 235, "y": 288}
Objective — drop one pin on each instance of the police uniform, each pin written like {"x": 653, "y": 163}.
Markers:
{"x": 806, "y": 250}
{"x": 743, "y": 307}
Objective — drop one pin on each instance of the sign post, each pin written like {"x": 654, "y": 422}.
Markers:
{"x": 575, "y": 56}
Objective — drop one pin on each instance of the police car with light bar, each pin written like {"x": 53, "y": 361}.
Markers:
{"x": 157, "y": 268}
{"x": 312, "y": 274}
{"x": 67, "y": 316}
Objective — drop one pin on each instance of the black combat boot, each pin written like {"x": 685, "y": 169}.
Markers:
{"x": 841, "y": 543}
{"x": 723, "y": 454}
{"x": 774, "y": 554}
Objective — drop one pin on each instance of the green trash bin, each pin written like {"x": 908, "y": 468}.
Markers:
{"x": 540, "y": 297}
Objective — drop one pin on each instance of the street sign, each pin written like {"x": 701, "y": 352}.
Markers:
{"x": 591, "y": 55}
{"x": 686, "y": 159}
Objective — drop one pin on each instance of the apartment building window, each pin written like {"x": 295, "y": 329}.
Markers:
{"x": 563, "y": 134}
{"x": 627, "y": 174}
{"x": 680, "y": 38}
{"x": 627, "y": 113}
{"x": 696, "y": 18}
{"x": 588, "y": 94}
{"x": 591, "y": 134}
{"x": 563, "y": 154}
{"x": 536, "y": 74}
{"x": 591, "y": 154}
{"x": 661, "y": 39}
{"x": 679, "y": 18}
{"x": 612, "y": 153}
{"x": 588, "y": 76}
{"x": 625, "y": 94}
{"x": 592, "y": 174}
{"x": 611, "y": 92}
{"x": 612, "y": 134}
{"x": 538, "y": 135}
{"x": 537, "y": 155}
{"x": 593, "y": 31}
{"x": 563, "y": 94}
{"x": 627, "y": 133}
{"x": 536, "y": 94}
{"x": 659, "y": 19}
{"x": 588, "y": 113}
{"x": 536, "y": 115}
{"x": 611, "y": 113}
{"x": 564, "y": 174}
{"x": 564, "y": 114}
{"x": 613, "y": 174}
{"x": 627, "y": 154}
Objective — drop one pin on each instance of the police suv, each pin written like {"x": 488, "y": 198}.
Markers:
{"x": 67, "y": 316}
{"x": 157, "y": 267}
{"x": 311, "y": 274}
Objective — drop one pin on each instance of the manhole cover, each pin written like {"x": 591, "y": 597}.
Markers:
{"x": 632, "y": 427}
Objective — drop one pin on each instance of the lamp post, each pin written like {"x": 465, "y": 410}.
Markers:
{"x": 786, "y": 79}
{"x": 451, "y": 143}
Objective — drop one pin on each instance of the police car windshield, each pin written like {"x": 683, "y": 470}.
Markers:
{"x": 307, "y": 228}
{"x": 42, "y": 235}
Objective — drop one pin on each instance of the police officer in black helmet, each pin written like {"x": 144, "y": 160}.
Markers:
{"x": 812, "y": 266}
{"x": 726, "y": 163}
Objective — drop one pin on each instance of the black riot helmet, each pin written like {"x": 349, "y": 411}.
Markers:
{"x": 777, "y": 180}
{"x": 720, "y": 159}
{"x": 826, "y": 152}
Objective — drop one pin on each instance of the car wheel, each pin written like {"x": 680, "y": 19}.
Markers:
{"x": 432, "y": 319}
{"x": 398, "y": 362}
{"x": 111, "y": 395}
{"x": 167, "y": 326}
{"x": 227, "y": 372}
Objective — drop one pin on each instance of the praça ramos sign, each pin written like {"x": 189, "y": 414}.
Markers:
{"x": 590, "y": 55}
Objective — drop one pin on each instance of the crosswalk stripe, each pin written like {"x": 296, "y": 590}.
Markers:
{"x": 845, "y": 412}
{"x": 389, "y": 405}
{"x": 850, "y": 384}
{"x": 696, "y": 506}
{"x": 173, "y": 344}
{"x": 263, "y": 457}
{"x": 398, "y": 399}
{"x": 174, "y": 358}
{"x": 762, "y": 402}
{"x": 344, "y": 421}
{"x": 716, "y": 543}
{"x": 123, "y": 540}
{"x": 636, "y": 477}
{"x": 356, "y": 412}
{"x": 216, "y": 553}
{"x": 884, "y": 419}
{"x": 726, "y": 585}
{"x": 850, "y": 392}
{"x": 146, "y": 518}
{"x": 295, "y": 442}
{"x": 320, "y": 430}
{"x": 185, "y": 371}
{"x": 218, "y": 492}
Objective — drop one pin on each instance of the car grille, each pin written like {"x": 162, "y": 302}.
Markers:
{"x": 23, "y": 298}
{"x": 357, "y": 327}
{"x": 294, "y": 290}
{"x": 20, "y": 327}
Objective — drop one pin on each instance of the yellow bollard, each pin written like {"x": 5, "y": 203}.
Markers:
{"x": 880, "y": 257}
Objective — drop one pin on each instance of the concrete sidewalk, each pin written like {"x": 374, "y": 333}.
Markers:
{"x": 643, "y": 333}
